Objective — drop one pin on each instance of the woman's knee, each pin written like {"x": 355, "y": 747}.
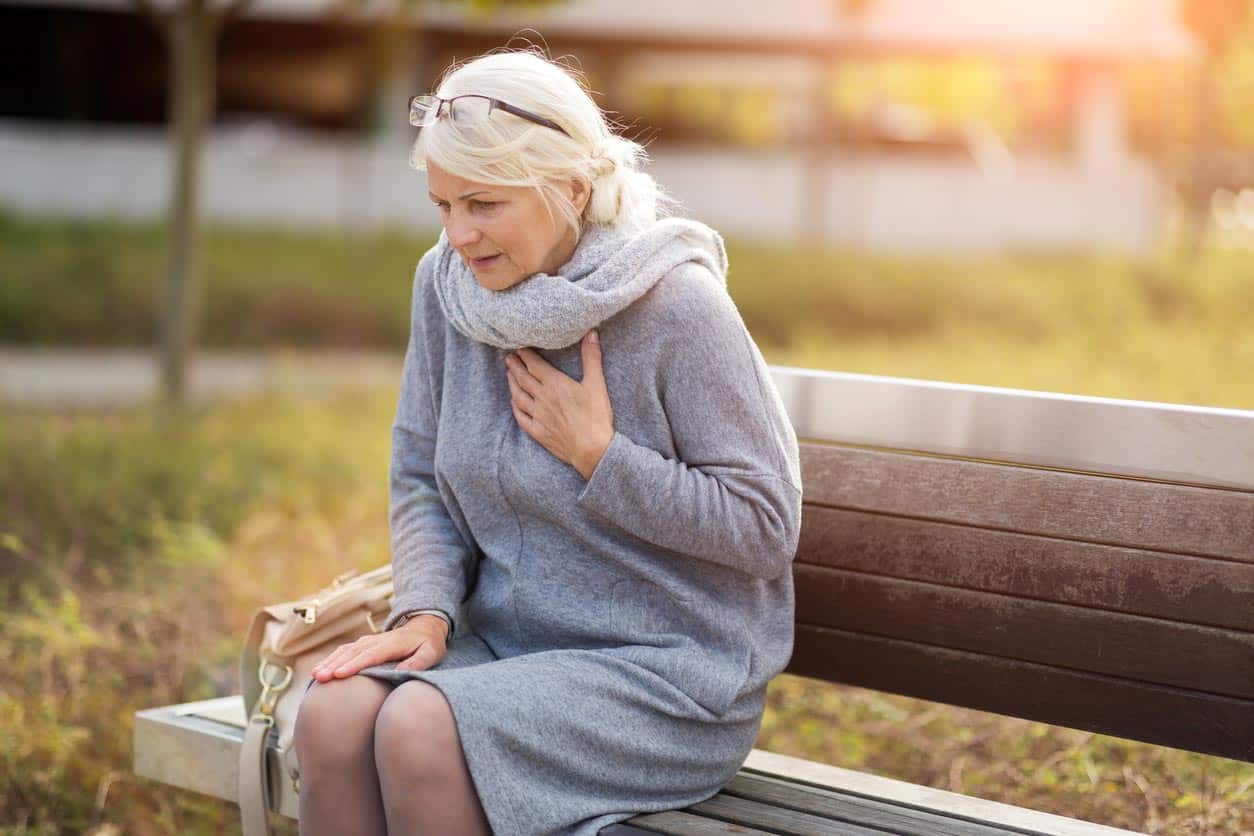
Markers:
{"x": 415, "y": 731}
{"x": 336, "y": 719}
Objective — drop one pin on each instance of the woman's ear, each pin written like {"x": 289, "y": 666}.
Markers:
{"x": 580, "y": 193}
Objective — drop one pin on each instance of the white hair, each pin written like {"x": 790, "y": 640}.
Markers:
{"x": 507, "y": 150}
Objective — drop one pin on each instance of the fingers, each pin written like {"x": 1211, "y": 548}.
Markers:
{"x": 348, "y": 659}
{"x": 536, "y": 366}
{"x": 339, "y": 666}
{"x": 322, "y": 670}
{"x": 591, "y": 349}
{"x": 524, "y": 420}
{"x": 519, "y": 372}
{"x": 521, "y": 397}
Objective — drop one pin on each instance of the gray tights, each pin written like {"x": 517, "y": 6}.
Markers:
{"x": 382, "y": 759}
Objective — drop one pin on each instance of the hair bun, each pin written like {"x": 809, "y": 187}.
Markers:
{"x": 619, "y": 151}
{"x": 603, "y": 165}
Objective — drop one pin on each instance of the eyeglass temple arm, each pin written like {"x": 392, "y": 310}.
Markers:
{"x": 527, "y": 114}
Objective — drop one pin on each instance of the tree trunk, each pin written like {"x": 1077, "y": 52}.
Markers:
{"x": 192, "y": 46}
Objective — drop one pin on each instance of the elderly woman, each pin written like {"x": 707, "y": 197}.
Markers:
{"x": 595, "y": 497}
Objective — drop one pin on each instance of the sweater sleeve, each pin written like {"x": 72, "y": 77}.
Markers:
{"x": 431, "y": 561}
{"x": 732, "y": 495}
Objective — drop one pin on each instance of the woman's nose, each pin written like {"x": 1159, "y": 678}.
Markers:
{"x": 461, "y": 232}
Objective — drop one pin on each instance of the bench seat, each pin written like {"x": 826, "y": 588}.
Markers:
{"x": 195, "y": 745}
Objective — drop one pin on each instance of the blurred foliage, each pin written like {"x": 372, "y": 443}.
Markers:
{"x": 1216, "y": 23}
{"x": 1014, "y": 97}
{"x": 1162, "y": 104}
{"x": 1027, "y": 100}
{"x": 133, "y": 549}
{"x": 1007, "y": 95}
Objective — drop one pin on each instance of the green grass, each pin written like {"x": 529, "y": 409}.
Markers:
{"x": 1083, "y": 324}
{"x": 96, "y": 283}
{"x": 134, "y": 546}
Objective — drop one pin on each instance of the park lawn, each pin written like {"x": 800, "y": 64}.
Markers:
{"x": 135, "y": 546}
{"x": 1175, "y": 365}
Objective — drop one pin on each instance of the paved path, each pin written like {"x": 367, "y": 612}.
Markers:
{"x": 56, "y": 377}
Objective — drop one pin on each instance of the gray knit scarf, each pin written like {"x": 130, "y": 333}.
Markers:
{"x": 608, "y": 270}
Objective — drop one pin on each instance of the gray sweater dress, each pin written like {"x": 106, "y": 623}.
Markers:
{"x": 613, "y": 637}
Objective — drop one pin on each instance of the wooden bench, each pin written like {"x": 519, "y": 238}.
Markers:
{"x": 1080, "y": 561}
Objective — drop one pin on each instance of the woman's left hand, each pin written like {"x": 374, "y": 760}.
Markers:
{"x": 571, "y": 419}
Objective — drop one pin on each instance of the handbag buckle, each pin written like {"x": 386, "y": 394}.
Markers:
{"x": 270, "y": 689}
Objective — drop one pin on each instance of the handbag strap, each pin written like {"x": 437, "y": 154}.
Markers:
{"x": 254, "y": 780}
{"x": 265, "y": 673}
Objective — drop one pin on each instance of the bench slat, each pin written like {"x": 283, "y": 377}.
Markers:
{"x": 678, "y": 823}
{"x": 1133, "y": 647}
{"x": 1182, "y": 588}
{"x": 824, "y": 779}
{"x": 773, "y": 819}
{"x": 1074, "y": 506}
{"x": 885, "y": 815}
{"x": 1179, "y": 443}
{"x": 1161, "y": 714}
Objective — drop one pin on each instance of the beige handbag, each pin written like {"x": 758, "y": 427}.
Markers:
{"x": 284, "y": 643}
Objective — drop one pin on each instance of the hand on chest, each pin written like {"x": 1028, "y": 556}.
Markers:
{"x": 518, "y": 426}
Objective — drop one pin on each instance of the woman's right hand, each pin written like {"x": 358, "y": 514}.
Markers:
{"x": 419, "y": 643}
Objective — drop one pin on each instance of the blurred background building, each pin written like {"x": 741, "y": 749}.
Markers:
{"x": 888, "y": 125}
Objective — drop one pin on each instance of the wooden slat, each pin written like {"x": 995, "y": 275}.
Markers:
{"x": 1158, "y": 714}
{"x": 1128, "y": 646}
{"x": 894, "y": 818}
{"x": 1183, "y": 444}
{"x": 773, "y": 819}
{"x": 1181, "y": 588}
{"x": 823, "y": 778}
{"x": 679, "y": 823}
{"x": 1095, "y": 509}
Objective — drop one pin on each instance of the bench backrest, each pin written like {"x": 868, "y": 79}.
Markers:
{"x": 1086, "y": 562}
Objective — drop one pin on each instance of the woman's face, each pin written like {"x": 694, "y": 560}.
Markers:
{"x": 503, "y": 233}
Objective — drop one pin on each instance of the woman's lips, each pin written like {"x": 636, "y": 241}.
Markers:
{"x": 483, "y": 262}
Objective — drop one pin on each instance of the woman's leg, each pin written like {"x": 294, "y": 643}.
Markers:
{"x": 334, "y": 740}
{"x": 422, "y": 772}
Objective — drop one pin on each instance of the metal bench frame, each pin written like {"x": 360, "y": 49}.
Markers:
{"x": 1077, "y": 560}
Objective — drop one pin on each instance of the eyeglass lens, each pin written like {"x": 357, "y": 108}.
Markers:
{"x": 470, "y": 109}
{"x": 422, "y": 110}
{"x": 463, "y": 109}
